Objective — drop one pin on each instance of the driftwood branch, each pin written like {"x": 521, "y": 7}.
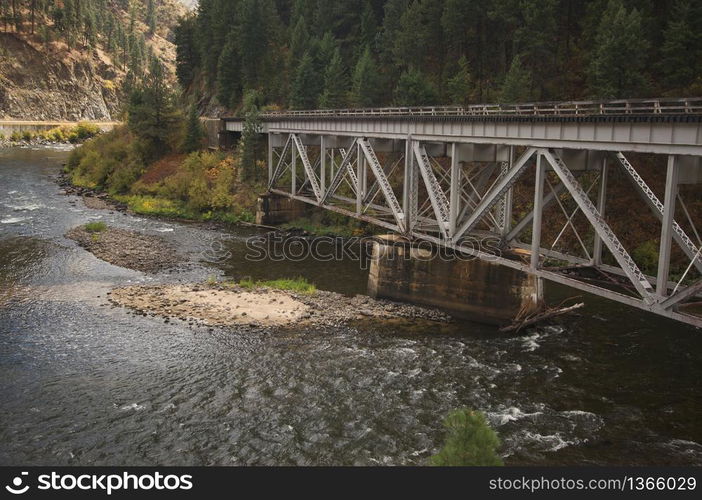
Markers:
{"x": 261, "y": 226}
{"x": 542, "y": 316}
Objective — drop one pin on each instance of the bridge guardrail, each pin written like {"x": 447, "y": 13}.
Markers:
{"x": 673, "y": 106}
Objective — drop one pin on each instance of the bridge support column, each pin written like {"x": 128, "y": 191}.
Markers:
{"x": 466, "y": 287}
{"x": 671, "y": 193}
{"x": 601, "y": 207}
{"x": 538, "y": 212}
{"x": 410, "y": 200}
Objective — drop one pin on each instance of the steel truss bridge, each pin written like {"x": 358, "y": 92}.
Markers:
{"x": 449, "y": 176}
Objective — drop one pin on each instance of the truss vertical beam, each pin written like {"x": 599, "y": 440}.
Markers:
{"x": 359, "y": 179}
{"x": 671, "y": 194}
{"x": 509, "y": 197}
{"x": 495, "y": 194}
{"x": 270, "y": 157}
{"x": 601, "y": 207}
{"x": 322, "y": 166}
{"x": 410, "y": 191}
{"x": 538, "y": 212}
{"x": 627, "y": 264}
{"x": 293, "y": 167}
{"x": 455, "y": 195}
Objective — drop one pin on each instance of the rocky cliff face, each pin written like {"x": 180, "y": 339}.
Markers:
{"x": 55, "y": 84}
{"x": 42, "y": 78}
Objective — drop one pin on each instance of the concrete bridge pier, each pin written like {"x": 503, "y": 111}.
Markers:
{"x": 466, "y": 287}
{"x": 273, "y": 209}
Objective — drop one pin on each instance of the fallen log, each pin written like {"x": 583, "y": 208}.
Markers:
{"x": 542, "y": 316}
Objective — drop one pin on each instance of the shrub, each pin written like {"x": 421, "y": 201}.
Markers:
{"x": 121, "y": 179}
{"x": 16, "y": 136}
{"x": 646, "y": 256}
{"x": 149, "y": 205}
{"x": 300, "y": 285}
{"x": 95, "y": 227}
{"x": 470, "y": 441}
{"x": 84, "y": 130}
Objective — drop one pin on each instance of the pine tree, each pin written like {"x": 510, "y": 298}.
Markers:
{"x": 411, "y": 41}
{"x": 618, "y": 64}
{"x": 536, "y": 39}
{"x": 152, "y": 114}
{"x": 460, "y": 86}
{"x": 228, "y": 74}
{"x": 365, "y": 91}
{"x": 517, "y": 85}
{"x": 680, "y": 62}
{"x": 303, "y": 95}
{"x": 151, "y": 17}
{"x": 187, "y": 54}
{"x": 470, "y": 442}
{"x": 250, "y": 137}
{"x": 299, "y": 42}
{"x": 413, "y": 89}
{"x": 193, "y": 131}
{"x": 336, "y": 84}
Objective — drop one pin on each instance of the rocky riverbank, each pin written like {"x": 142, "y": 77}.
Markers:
{"x": 129, "y": 249}
{"x": 227, "y": 304}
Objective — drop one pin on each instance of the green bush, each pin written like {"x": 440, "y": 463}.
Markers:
{"x": 300, "y": 284}
{"x": 27, "y": 135}
{"x": 95, "y": 227}
{"x": 469, "y": 442}
{"x": 646, "y": 256}
{"x": 85, "y": 131}
{"x": 16, "y": 136}
{"x": 106, "y": 162}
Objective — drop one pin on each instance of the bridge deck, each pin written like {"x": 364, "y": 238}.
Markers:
{"x": 660, "y": 126}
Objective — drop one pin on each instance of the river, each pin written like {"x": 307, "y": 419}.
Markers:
{"x": 86, "y": 383}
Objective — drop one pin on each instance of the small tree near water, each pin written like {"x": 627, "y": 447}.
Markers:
{"x": 469, "y": 442}
{"x": 194, "y": 134}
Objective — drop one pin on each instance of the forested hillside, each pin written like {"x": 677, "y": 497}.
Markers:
{"x": 70, "y": 59}
{"x": 330, "y": 53}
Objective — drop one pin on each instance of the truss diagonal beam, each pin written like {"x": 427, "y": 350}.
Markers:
{"x": 281, "y": 165}
{"x": 638, "y": 279}
{"x": 436, "y": 193}
{"x": 373, "y": 190}
{"x": 495, "y": 194}
{"x": 311, "y": 175}
{"x": 679, "y": 234}
{"x": 383, "y": 182}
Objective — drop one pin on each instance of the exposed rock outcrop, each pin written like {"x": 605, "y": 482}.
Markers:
{"x": 55, "y": 84}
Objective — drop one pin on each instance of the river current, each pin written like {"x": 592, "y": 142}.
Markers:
{"x": 86, "y": 383}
